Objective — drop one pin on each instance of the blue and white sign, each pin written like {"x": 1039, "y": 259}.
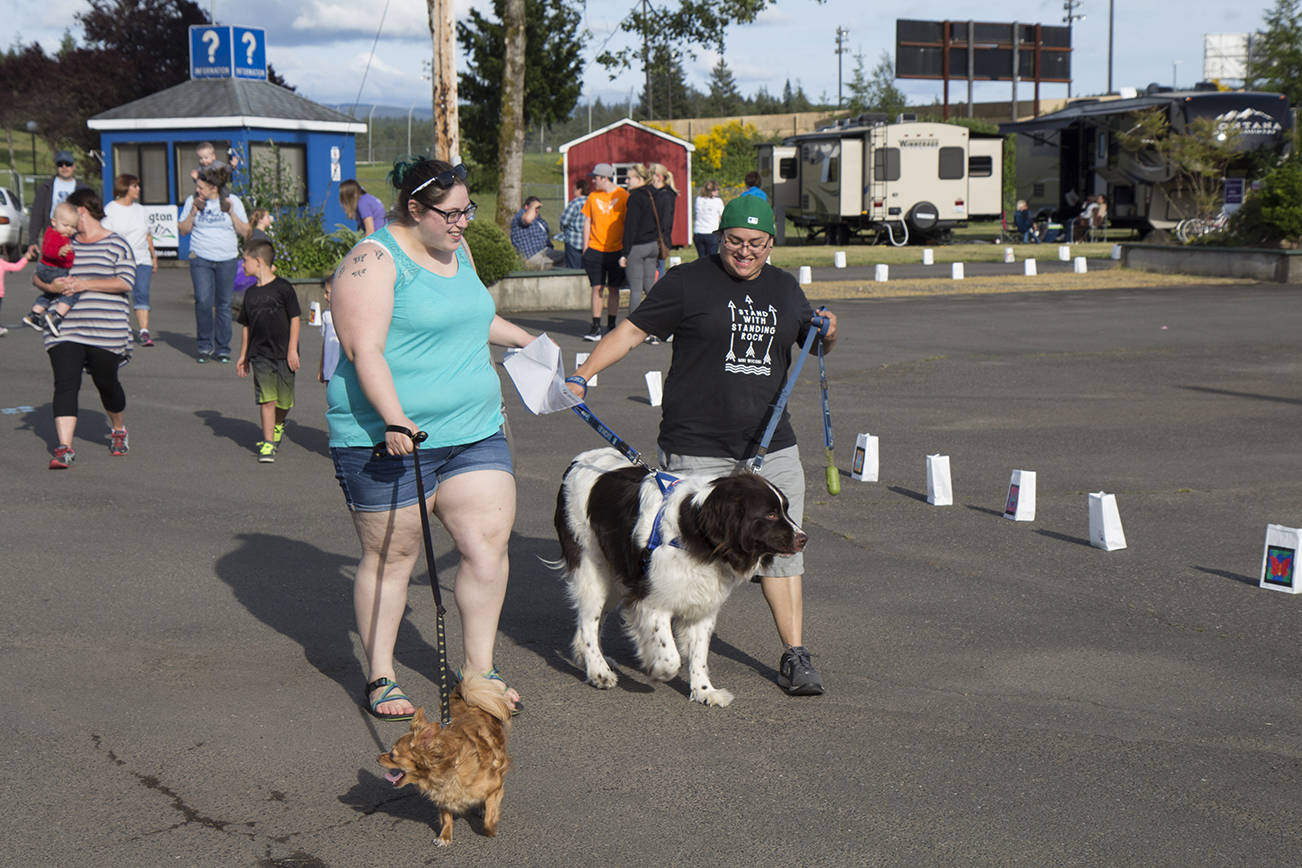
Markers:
{"x": 228, "y": 52}
{"x": 210, "y": 52}
{"x": 249, "y": 45}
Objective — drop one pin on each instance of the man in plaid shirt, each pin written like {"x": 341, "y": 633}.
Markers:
{"x": 572, "y": 225}
{"x": 531, "y": 238}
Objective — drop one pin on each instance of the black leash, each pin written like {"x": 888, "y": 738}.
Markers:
{"x": 445, "y": 706}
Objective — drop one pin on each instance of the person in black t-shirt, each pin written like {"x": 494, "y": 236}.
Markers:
{"x": 271, "y": 318}
{"x": 735, "y": 321}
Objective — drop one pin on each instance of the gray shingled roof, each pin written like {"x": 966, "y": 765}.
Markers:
{"x": 231, "y": 101}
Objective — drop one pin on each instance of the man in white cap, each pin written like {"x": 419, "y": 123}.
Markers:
{"x": 51, "y": 193}
{"x": 603, "y": 244}
{"x": 735, "y": 320}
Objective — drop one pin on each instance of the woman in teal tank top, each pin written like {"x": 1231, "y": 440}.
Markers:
{"x": 414, "y": 324}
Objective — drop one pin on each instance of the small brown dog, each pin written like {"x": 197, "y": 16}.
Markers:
{"x": 460, "y": 765}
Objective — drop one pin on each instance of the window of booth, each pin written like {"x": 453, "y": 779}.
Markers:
{"x": 286, "y": 165}
{"x": 980, "y": 166}
{"x": 148, "y": 162}
{"x": 187, "y": 161}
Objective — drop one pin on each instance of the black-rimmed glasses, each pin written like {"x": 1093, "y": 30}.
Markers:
{"x": 755, "y": 245}
{"x": 444, "y": 180}
{"x": 455, "y": 216}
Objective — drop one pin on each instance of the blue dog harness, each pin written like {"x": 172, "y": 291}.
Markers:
{"x": 666, "y": 482}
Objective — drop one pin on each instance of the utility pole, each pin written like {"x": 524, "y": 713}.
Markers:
{"x": 1070, "y": 7}
{"x": 443, "y": 73}
{"x": 1110, "y": 46}
{"x": 842, "y": 38}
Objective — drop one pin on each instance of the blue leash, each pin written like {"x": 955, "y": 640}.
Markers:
{"x": 776, "y": 416}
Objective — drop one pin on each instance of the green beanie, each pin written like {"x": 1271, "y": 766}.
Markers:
{"x": 747, "y": 212}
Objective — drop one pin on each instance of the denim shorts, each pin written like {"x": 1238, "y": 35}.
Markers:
{"x": 383, "y": 483}
{"x": 781, "y": 467}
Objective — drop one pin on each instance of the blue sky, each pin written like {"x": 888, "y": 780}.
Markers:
{"x": 322, "y": 46}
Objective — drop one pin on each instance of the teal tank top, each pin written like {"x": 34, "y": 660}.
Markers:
{"x": 437, "y": 350}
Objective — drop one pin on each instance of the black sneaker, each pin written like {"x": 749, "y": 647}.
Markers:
{"x": 594, "y": 335}
{"x": 34, "y": 321}
{"x": 796, "y": 673}
{"x": 52, "y": 320}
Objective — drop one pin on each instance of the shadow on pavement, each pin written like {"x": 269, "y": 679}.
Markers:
{"x": 1052, "y": 534}
{"x": 1253, "y": 395}
{"x": 908, "y": 492}
{"x": 241, "y": 432}
{"x": 1226, "y": 574}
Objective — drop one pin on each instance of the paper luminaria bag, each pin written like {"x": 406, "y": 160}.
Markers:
{"x": 865, "y": 464}
{"x": 1020, "y": 505}
{"x": 940, "y": 492}
{"x": 1279, "y": 559}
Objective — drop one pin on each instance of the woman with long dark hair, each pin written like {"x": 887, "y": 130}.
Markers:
{"x": 415, "y": 322}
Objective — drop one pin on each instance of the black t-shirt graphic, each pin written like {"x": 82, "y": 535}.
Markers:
{"x": 732, "y": 346}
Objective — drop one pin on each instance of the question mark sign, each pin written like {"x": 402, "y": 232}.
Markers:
{"x": 251, "y": 42}
{"x": 213, "y": 40}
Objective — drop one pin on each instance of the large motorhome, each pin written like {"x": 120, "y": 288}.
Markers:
{"x": 1066, "y": 157}
{"x": 899, "y": 181}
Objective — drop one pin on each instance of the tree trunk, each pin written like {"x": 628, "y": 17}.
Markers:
{"x": 443, "y": 76}
{"x": 510, "y": 137}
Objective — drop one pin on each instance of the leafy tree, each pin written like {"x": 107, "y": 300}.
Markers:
{"x": 145, "y": 44}
{"x": 883, "y": 95}
{"x": 1276, "y": 61}
{"x": 1199, "y": 158}
{"x": 723, "y": 97}
{"x": 553, "y": 71}
{"x": 1274, "y": 213}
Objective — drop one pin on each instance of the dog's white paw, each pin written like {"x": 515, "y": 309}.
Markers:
{"x": 716, "y": 696}
{"x": 439, "y": 842}
{"x": 603, "y": 679}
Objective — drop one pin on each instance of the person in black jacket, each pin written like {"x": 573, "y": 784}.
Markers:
{"x": 640, "y": 232}
{"x": 666, "y": 195}
{"x": 51, "y": 192}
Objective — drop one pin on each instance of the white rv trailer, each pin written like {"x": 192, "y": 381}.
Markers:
{"x": 903, "y": 181}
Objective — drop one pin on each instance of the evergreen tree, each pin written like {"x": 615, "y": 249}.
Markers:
{"x": 669, "y": 97}
{"x": 1276, "y": 61}
{"x": 553, "y": 71}
{"x": 723, "y": 98}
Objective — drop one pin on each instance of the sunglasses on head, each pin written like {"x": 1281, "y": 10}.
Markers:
{"x": 444, "y": 179}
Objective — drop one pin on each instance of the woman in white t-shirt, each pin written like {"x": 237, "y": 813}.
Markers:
{"x": 709, "y": 208}
{"x": 126, "y": 216}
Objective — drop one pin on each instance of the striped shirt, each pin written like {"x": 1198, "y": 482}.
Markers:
{"x": 100, "y": 319}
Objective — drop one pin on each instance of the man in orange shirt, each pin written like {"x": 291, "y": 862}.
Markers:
{"x": 603, "y": 243}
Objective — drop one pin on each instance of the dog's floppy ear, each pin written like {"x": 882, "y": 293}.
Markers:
{"x": 418, "y": 719}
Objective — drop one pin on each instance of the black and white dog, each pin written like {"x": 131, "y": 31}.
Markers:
{"x": 671, "y": 559}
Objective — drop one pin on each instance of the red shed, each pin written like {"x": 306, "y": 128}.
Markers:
{"x": 625, "y": 143}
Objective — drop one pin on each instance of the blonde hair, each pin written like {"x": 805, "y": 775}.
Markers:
{"x": 642, "y": 170}
{"x": 663, "y": 171}
{"x": 349, "y": 192}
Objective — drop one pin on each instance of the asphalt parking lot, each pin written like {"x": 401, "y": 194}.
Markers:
{"x": 181, "y": 671}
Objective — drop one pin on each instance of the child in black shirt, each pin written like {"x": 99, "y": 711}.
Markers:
{"x": 271, "y": 318}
